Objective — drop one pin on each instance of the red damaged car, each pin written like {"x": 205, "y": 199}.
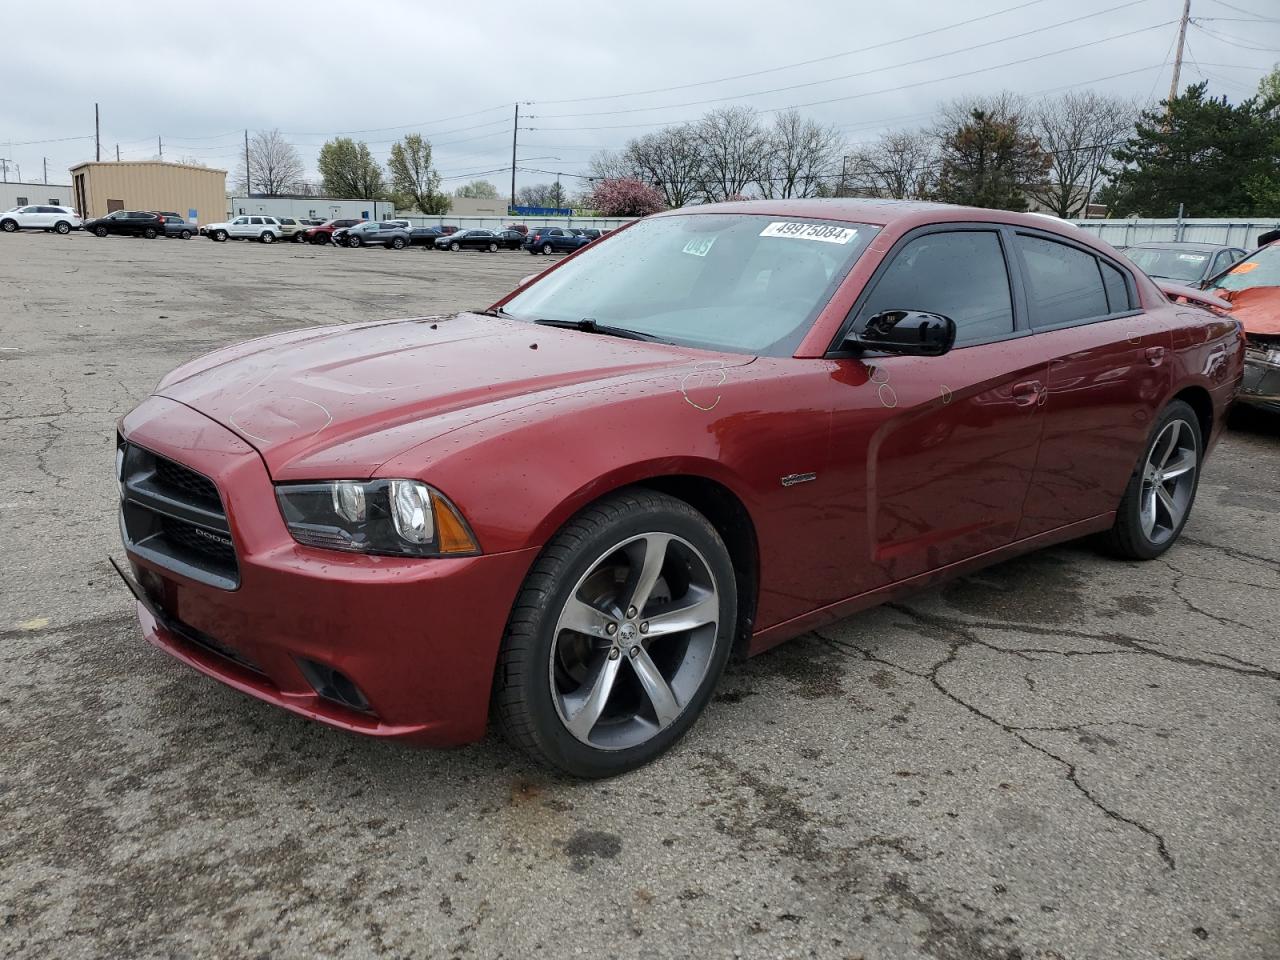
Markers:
{"x": 1252, "y": 289}
{"x": 725, "y": 426}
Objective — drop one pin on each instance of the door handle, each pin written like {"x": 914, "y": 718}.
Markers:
{"x": 1154, "y": 355}
{"x": 1027, "y": 392}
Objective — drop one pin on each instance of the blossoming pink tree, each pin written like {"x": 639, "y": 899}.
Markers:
{"x": 624, "y": 197}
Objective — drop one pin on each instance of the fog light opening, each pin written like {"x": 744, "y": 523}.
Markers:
{"x": 334, "y": 685}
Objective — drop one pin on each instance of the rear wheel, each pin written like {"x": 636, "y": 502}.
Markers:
{"x": 1157, "y": 501}
{"x": 267, "y": 237}
{"x": 149, "y": 232}
{"x": 618, "y": 636}
{"x": 62, "y": 227}
{"x": 493, "y": 248}
{"x": 546, "y": 248}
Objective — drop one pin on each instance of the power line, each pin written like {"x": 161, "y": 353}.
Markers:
{"x": 905, "y": 86}
{"x": 799, "y": 63}
{"x": 1229, "y": 6}
{"x": 847, "y": 76}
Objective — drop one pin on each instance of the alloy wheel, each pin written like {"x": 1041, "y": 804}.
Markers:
{"x": 1168, "y": 481}
{"x": 634, "y": 641}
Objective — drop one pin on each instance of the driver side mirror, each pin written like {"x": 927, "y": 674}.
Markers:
{"x": 910, "y": 333}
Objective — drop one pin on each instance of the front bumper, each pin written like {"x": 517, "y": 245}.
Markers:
{"x": 1261, "y": 384}
{"x": 418, "y": 639}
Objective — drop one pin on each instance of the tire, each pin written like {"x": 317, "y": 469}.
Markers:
{"x": 267, "y": 237}
{"x": 62, "y": 227}
{"x": 9, "y": 226}
{"x": 544, "y": 667}
{"x": 149, "y": 233}
{"x": 298, "y": 238}
{"x": 493, "y": 248}
{"x": 397, "y": 243}
{"x": 455, "y": 247}
{"x": 99, "y": 231}
{"x": 1158, "y": 499}
{"x": 185, "y": 234}
{"x": 219, "y": 236}
{"x": 546, "y": 249}
{"x": 353, "y": 242}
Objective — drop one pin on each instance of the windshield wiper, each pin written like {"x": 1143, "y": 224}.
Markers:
{"x": 492, "y": 312}
{"x": 587, "y": 325}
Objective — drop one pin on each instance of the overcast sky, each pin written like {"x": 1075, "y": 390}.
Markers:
{"x": 198, "y": 74}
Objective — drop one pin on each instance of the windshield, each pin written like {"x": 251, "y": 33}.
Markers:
{"x": 1262, "y": 269}
{"x": 736, "y": 282}
{"x": 1170, "y": 264}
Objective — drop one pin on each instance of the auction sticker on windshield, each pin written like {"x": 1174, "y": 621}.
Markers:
{"x": 825, "y": 232}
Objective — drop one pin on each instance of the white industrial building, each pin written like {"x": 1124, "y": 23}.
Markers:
{"x": 316, "y": 208}
{"x": 20, "y": 194}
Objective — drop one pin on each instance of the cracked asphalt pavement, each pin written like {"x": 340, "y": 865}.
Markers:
{"x": 1061, "y": 757}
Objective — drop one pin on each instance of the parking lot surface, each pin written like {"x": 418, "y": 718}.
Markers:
{"x": 1061, "y": 757}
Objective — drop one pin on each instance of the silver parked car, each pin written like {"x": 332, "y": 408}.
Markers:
{"x": 373, "y": 233}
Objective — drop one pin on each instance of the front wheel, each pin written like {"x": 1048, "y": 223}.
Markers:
{"x": 219, "y": 236}
{"x": 9, "y": 226}
{"x": 493, "y": 248}
{"x": 99, "y": 231}
{"x": 185, "y": 234}
{"x": 398, "y": 243}
{"x": 352, "y": 242}
{"x": 618, "y": 636}
{"x": 1157, "y": 501}
{"x": 455, "y": 247}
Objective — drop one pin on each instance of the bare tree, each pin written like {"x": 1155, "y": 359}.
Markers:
{"x": 733, "y": 147}
{"x": 671, "y": 159}
{"x": 901, "y": 165}
{"x": 1078, "y": 131}
{"x": 542, "y": 195}
{"x": 274, "y": 164}
{"x": 801, "y": 154}
{"x": 614, "y": 165}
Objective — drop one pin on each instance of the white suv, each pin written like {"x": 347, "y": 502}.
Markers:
{"x": 266, "y": 229}
{"x": 40, "y": 217}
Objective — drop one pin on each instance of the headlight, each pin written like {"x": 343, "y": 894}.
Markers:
{"x": 390, "y": 517}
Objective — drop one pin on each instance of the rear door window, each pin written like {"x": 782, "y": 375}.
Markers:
{"x": 1064, "y": 283}
{"x": 960, "y": 274}
{"x": 1119, "y": 299}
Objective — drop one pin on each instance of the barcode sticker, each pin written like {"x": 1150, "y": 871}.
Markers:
{"x": 823, "y": 232}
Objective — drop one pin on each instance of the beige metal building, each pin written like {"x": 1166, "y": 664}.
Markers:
{"x": 197, "y": 193}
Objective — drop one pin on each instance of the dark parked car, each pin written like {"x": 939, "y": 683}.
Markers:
{"x": 176, "y": 226}
{"x": 373, "y": 233}
{"x": 591, "y": 233}
{"x": 425, "y": 236}
{"x": 470, "y": 240}
{"x": 509, "y": 239}
{"x": 323, "y": 233}
{"x": 744, "y": 421}
{"x": 1183, "y": 262}
{"x": 127, "y": 223}
{"x": 554, "y": 240}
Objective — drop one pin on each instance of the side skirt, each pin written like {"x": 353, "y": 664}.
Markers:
{"x": 772, "y": 636}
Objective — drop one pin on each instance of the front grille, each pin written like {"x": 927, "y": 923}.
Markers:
{"x": 173, "y": 516}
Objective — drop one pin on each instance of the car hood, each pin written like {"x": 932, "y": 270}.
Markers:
{"x": 340, "y": 401}
{"x": 1257, "y": 309}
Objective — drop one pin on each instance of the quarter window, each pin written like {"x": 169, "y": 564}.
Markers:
{"x": 1064, "y": 284}
{"x": 960, "y": 274}
{"x": 1118, "y": 299}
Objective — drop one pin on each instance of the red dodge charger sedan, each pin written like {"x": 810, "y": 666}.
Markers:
{"x": 713, "y": 430}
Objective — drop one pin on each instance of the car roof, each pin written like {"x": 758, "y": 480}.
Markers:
{"x": 1180, "y": 245}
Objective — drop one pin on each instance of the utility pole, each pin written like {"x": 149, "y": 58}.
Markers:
{"x": 844, "y": 172}
{"x": 117, "y": 153}
{"x": 97, "y": 136}
{"x": 1182, "y": 42}
{"x": 46, "y": 169}
{"x": 247, "y": 191}
{"x": 4, "y": 168}
{"x": 515, "y": 132}
{"x": 160, "y": 145}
